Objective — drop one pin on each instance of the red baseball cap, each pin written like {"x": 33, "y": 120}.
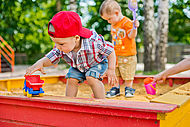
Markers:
{"x": 67, "y": 24}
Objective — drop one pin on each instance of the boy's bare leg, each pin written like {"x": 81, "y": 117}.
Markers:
{"x": 97, "y": 87}
{"x": 117, "y": 84}
{"x": 72, "y": 87}
{"x": 128, "y": 83}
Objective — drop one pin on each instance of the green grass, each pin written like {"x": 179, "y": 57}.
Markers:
{"x": 147, "y": 73}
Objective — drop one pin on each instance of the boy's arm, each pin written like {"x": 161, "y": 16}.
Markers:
{"x": 38, "y": 66}
{"x": 112, "y": 61}
{"x": 133, "y": 32}
{"x": 112, "y": 79}
{"x": 46, "y": 62}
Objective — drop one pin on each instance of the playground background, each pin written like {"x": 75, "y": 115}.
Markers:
{"x": 24, "y": 29}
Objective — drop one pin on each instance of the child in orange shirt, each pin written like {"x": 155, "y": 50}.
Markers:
{"x": 123, "y": 32}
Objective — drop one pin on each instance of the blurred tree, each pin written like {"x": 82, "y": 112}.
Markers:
{"x": 58, "y": 5}
{"x": 73, "y": 5}
{"x": 149, "y": 36}
{"x": 162, "y": 38}
{"x": 24, "y": 25}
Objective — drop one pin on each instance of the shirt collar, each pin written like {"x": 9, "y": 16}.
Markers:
{"x": 85, "y": 44}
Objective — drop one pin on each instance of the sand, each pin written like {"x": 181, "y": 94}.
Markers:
{"x": 86, "y": 92}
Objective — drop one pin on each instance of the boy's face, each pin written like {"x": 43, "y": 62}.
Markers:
{"x": 65, "y": 44}
{"x": 111, "y": 18}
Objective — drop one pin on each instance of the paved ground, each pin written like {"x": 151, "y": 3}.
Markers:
{"x": 59, "y": 70}
{"x": 20, "y": 70}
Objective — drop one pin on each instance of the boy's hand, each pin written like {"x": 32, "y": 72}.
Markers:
{"x": 38, "y": 66}
{"x": 136, "y": 23}
{"x": 112, "y": 79}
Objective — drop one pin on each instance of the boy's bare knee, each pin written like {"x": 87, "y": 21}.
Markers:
{"x": 73, "y": 79}
{"x": 91, "y": 80}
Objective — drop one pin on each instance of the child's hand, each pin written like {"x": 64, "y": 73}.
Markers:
{"x": 38, "y": 66}
{"x": 112, "y": 79}
{"x": 136, "y": 23}
{"x": 160, "y": 78}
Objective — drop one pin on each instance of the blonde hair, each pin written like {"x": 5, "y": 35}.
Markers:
{"x": 108, "y": 6}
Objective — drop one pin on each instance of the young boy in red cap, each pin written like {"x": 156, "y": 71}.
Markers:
{"x": 88, "y": 54}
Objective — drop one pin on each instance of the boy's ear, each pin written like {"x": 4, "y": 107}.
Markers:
{"x": 117, "y": 12}
{"x": 77, "y": 37}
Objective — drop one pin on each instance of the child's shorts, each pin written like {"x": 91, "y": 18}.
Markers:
{"x": 126, "y": 67}
{"x": 96, "y": 71}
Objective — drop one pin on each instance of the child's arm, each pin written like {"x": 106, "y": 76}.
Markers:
{"x": 133, "y": 32}
{"x": 38, "y": 66}
{"x": 112, "y": 79}
{"x": 184, "y": 65}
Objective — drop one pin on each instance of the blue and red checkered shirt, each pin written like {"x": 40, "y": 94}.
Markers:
{"x": 93, "y": 51}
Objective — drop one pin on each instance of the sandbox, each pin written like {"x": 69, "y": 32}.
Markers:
{"x": 170, "y": 107}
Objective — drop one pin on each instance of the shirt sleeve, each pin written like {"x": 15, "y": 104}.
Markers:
{"x": 128, "y": 26}
{"x": 104, "y": 47}
{"x": 54, "y": 55}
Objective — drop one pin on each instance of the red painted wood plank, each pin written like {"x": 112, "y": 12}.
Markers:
{"x": 113, "y": 104}
{"x": 172, "y": 77}
{"x": 47, "y": 112}
{"x": 58, "y": 118}
{"x": 13, "y": 123}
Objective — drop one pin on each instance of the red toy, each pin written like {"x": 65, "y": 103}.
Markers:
{"x": 33, "y": 86}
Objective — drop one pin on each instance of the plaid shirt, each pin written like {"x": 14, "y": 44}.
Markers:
{"x": 93, "y": 51}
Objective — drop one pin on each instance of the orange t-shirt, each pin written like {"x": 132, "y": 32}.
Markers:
{"x": 123, "y": 45}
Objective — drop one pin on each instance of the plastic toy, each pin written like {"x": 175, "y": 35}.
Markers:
{"x": 150, "y": 86}
{"x": 33, "y": 86}
{"x": 133, "y": 6}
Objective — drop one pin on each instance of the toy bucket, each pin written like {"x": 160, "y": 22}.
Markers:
{"x": 150, "y": 88}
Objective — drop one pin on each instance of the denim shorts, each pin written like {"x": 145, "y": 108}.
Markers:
{"x": 96, "y": 71}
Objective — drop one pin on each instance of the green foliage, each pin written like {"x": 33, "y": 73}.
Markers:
{"x": 154, "y": 72}
{"x": 24, "y": 25}
{"x": 96, "y": 22}
{"x": 179, "y": 21}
